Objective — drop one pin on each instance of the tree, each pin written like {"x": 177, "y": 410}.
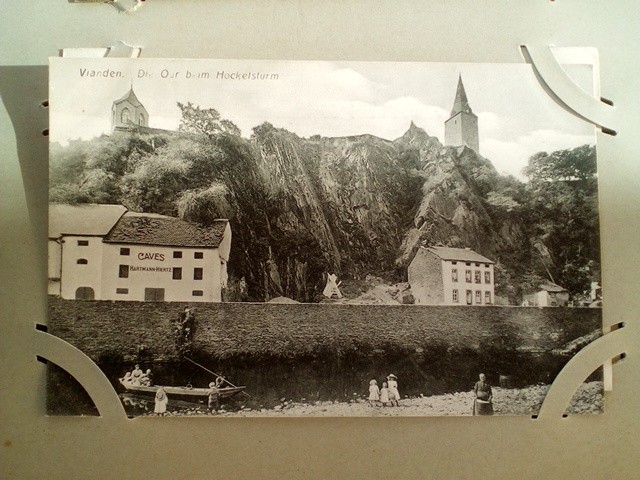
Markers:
{"x": 572, "y": 164}
{"x": 204, "y": 206}
{"x": 205, "y": 121}
{"x": 563, "y": 212}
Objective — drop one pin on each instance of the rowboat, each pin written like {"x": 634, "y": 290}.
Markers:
{"x": 180, "y": 392}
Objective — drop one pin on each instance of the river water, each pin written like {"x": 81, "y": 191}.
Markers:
{"x": 270, "y": 382}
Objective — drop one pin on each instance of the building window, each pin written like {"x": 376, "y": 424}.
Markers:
{"x": 467, "y": 276}
{"x": 487, "y": 298}
{"x": 454, "y": 274}
{"x": 125, "y": 251}
{"x": 477, "y": 264}
{"x": 478, "y": 297}
{"x": 198, "y": 255}
{"x": 141, "y": 120}
{"x": 455, "y": 295}
{"x": 478, "y": 276}
{"x": 122, "y": 291}
{"x": 123, "y": 271}
{"x": 197, "y": 293}
{"x": 454, "y": 263}
{"x": 197, "y": 273}
{"x": 177, "y": 254}
{"x": 82, "y": 261}
{"x": 154, "y": 294}
{"x": 124, "y": 116}
{"x": 177, "y": 273}
{"x": 83, "y": 243}
{"x": 468, "y": 264}
{"x": 487, "y": 277}
{"x": 469, "y": 297}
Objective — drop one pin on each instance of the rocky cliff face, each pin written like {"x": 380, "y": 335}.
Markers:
{"x": 453, "y": 208}
{"x": 361, "y": 205}
{"x": 303, "y": 207}
{"x": 336, "y": 205}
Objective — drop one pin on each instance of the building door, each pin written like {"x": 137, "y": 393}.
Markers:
{"x": 154, "y": 294}
{"x": 85, "y": 293}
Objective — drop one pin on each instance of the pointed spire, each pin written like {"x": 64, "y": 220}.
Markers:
{"x": 460, "y": 104}
{"x": 131, "y": 97}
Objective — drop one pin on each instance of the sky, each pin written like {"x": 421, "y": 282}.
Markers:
{"x": 516, "y": 117}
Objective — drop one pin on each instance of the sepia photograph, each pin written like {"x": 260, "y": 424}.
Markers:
{"x": 311, "y": 238}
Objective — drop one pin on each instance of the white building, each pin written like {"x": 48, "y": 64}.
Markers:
{"x": 548, "y": 294}
{"x": 451, "y": 276}
{"x": 105, "y": 252}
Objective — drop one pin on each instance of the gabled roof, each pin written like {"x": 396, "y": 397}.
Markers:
{"x": 151, "y": 229}
{"x": 458, "y": 254}
{"x": 460, "y": 104}
{"x": 131, "y": 98}
{"x": 87, "y": 219}
{"x": 552, "y": 287}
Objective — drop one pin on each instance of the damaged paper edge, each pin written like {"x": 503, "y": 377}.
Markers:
{"x": 121, "y": 49}
{"x": 122, "y": 5}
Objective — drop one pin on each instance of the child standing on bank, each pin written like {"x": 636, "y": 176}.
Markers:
{"x": 374, "y": 393}
{"x": 384, "y": 394}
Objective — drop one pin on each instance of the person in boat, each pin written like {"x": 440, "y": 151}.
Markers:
{"x": 161, "y": 401}
{"x": 136, "y": 375}
{"x": 145, "y": 379}
{"x": 374, "y": 393}
{"x": 394, "y": 394}
{"x": 127, "y": 377}
{"x": 214, "y": 396}
{"x": 482, "y": 404}
{"x": 219, "y": 381}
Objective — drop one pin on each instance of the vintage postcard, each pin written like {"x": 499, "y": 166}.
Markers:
{"x": 273, "y": 238}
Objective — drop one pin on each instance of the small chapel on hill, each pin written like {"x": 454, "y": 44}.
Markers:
{"x": 127, "y": 112}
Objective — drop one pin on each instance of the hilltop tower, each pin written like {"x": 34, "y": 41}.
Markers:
{"x": 127, "y": 113}
{"x": 462, "y": 126}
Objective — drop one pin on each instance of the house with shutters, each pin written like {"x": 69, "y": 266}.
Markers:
{"x": 106, "y": 252}
{"x": 451, "y": 276}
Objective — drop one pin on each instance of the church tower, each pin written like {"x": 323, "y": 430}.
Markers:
{"x": 128, "y": 113}
{"x": 462, "y": 126}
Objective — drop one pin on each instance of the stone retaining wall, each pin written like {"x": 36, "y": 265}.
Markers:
{"x": 225, "y": 330}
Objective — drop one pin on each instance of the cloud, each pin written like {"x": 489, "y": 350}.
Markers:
{"x": 488, "y": 123}
{"x": 510, "y": 157}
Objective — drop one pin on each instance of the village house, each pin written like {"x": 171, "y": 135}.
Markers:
{"x": 105, "y": 252}
{"x": 451, "y": 276}
{"x": 548, "y": 295}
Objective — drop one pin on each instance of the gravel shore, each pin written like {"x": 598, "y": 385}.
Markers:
{"x": 506, "y": 401}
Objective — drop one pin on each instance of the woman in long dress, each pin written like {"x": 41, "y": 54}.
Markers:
{"x": 482, "y": 404}
{"x": 160, "y": 406}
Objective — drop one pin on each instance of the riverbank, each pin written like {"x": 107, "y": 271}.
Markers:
{"x": 506, "y": 401}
